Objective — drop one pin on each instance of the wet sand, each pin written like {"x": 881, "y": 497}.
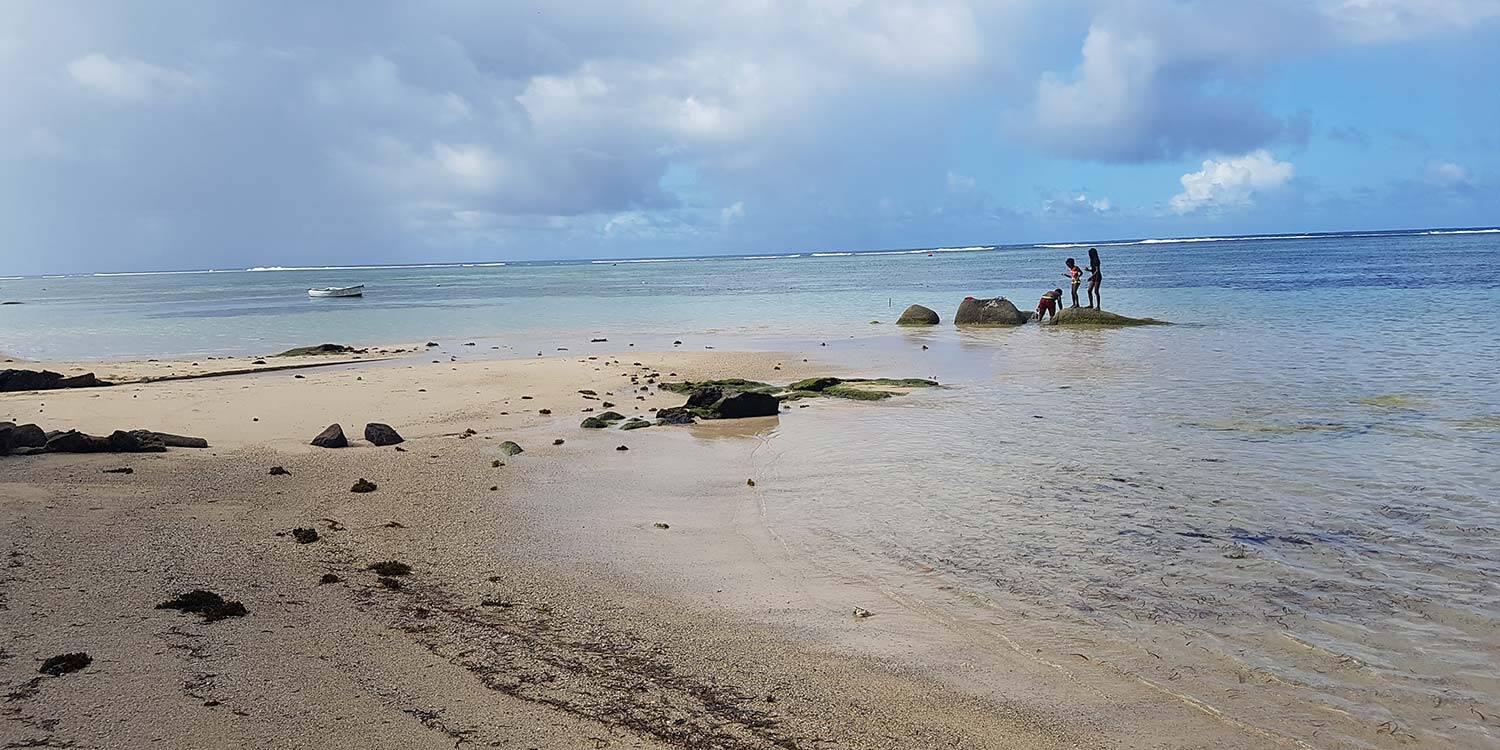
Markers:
{"x": 541, "y": 611}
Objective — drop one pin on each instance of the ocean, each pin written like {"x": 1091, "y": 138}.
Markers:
{"x": 1285, "y": 507}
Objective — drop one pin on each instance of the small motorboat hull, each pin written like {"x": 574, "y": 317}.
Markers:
{"x": 338, "y": 291}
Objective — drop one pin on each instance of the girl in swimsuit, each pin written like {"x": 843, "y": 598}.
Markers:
{"x": 1095, "y": 277}
{"x": 1074, "y": 275}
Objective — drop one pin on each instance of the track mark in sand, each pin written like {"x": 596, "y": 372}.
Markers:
{"x": 592, "y": 671}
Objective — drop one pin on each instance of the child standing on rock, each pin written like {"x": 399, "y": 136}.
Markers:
{"x": 1074, "y": 275}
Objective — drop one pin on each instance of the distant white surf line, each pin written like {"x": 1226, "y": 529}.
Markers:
{"x": 766, "y": 257}
{"x": 648, "y": 260}
{"x": 1463, "y": 231}
{"x": 265, "y": 269}
{"x": 157, "y": 273}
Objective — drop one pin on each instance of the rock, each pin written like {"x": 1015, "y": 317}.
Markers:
{"x": 329, "y": 578}
{"x": 432, "y": 343}
{"x": 675, "y": 415}
{"x": 45, "y": 380}
{"x": 593, "y": 423}
{"x": 622, "y": 448}
{"x": 307, "y": 351}
{"x": 363, "y": 485}
{"x": 746, "y": 404}
{"x": 989, "y": 312}
{"x": 544, "y": 412}
{"x": 305, "y": 536}
{"x": 861, "y": 612}
{"x": 814, "y": 384}
{"x": 1089, "y": 317}
{"x": 611, "y": 416}
{"x": 121, "y": 470}
{"x": 209, "y": 605}
{"x": 382, "y": 434}
{"x": 749, "y": 482}
{"x": 661, "y": 525}
{"x": 277, "y": 471}
{"x": 510, "y": 448}
{"x": 635, "y": 424}
{"x": 13, "y": 437}
{"x": 170, "y": 440}
{"x": 62, "y": 664}
{"x": 389, "y": 568}
{"x": 705, "y": 397}
{"x": 558, "y": 441}
{"x": 917, "y": 315}
{"x": 332, "y": 436}
{"x": 118, "y": 441}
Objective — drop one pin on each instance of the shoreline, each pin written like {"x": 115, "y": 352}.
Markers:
{"x": 601, "y": 625}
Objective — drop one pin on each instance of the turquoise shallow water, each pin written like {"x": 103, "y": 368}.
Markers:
{"x": 1284, "y": 507}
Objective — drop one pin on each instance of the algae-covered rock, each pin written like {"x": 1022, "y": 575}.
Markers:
{"x": 998, "y": 311}
{"x": 1089, "y": 317}
{"x": 727, "y": 384}
{"x": 814, "y": 384}
{"x": 856, "y": 394}
{"x": 611, "y": 416}
{"x": 635, "y": 424}
{"x": 917, "y": 315}
{"x": 675, "y": 415}
{"x": 510, "y": 448}
{"x": 307, "y": 351}
{"x": 593, "y": 423}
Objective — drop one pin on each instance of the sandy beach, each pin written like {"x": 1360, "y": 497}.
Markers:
{"x": 538, "y": 611}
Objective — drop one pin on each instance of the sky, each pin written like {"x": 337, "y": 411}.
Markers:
{"x": 189, "y": 135}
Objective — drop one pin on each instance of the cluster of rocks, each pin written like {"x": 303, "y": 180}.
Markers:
{"x": 46, "y": 380}
{"x": 376, "y": 433}
{"x": 29, "y": 439}
{"x": 999, "y": 311}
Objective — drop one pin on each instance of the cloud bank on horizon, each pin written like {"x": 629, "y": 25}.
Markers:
{"x": 192, "y": 135}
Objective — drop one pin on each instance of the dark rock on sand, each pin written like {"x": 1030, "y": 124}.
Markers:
{"x": 814, "y": 384}
{"x": 622, "y": 448}
{"x": 363, "y": 485}
{"x": 705, "y": 397}
{"x": 593, "y": 423}
{"x": 382, "y": 434}
{"x": 306, "y": 351}
{"x": 305, "y": 536}
{"x": 64, "y": 663}
{"x": 675, "y": 415}
{"x": 121, "y": 470}
{"x": 745, "y": 404}
{"x": 1089, "y": 317}
{"x": 917, "y": 315}
{"x": 511, "y": 448}
{"x": 329, "y": 578}
{"x": 45, "y": 380}
{"x": 389, "y": 568}
{"x": 170, "y": 440}
{"x": 277, "y": 471}
{"x": 635, "y": 424}
{"x": 989, "y": 312}
{"x": 332, "y": 436}
{"x": 13, "y": 437}
{"x": 611, "y": 416}
{"x": 209, "y": 605}
{"x": 118, "y": 441}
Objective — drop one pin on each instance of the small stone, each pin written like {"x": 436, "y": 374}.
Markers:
{"x": 544, "y": 412}
{"x": 382, "y": 434}
{"x": 750, "y": 482}
{"x": 363, "y": 485}
{"x": 497, "y": 463}
{"x": 389, "y": 568}
{"x": 329, "y": 578}
{"x": 510, "y": 448}
{"x": 277, "y": 471}
{"x": 661, "y": 525}
{"x": 62, "y": 664}
{"x": 332, "y": 436}
{"x": 861, "y": 613}
{"x": 623, "y": 448}
{"x": 305, "y": 536}
{"x": 121, "y": 470}
{"x": 558, "y": 441}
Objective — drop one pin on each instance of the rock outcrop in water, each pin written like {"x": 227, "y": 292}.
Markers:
{"x": 998, "y": 311}
{"x": 917, "y": 315}
{"x": 307, "y": 351}
{"x": 1089, "y": 317}
{"x": 46, "y": 380}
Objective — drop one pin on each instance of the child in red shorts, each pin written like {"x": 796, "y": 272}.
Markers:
{"x": 1049, "y": 304}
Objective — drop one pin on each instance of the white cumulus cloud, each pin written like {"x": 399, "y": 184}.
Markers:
{"x": 1449, "y": 175}
{"x": 1231, "y": 182}
{"x": 126, "y": 78}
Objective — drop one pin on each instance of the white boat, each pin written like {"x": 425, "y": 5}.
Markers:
{"x": 357, "y": 290}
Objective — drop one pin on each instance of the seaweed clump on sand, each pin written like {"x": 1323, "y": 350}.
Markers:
{"x": 390, "y": 568}
{"x": 62, "y": 664}
{"x": 210, "y": 606}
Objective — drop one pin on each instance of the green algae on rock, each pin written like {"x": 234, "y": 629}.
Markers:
{"x": 917, "y": 315}
{"x": 1086, "y": 317}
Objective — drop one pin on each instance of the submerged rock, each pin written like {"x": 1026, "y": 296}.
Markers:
{"x": 1087, "y": 316}
{"x": 998, "y": 311}
{"x": 382, "y": 434}
{"x": 46, "y": 380}
{"x": 332, "y": 436}
{"x": 746, "y": 404}
{"x": 814, "y": 384}
{"x": 917, "y": 315}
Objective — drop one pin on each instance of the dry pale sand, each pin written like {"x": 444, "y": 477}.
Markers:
{"x": 542, "y": 609}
